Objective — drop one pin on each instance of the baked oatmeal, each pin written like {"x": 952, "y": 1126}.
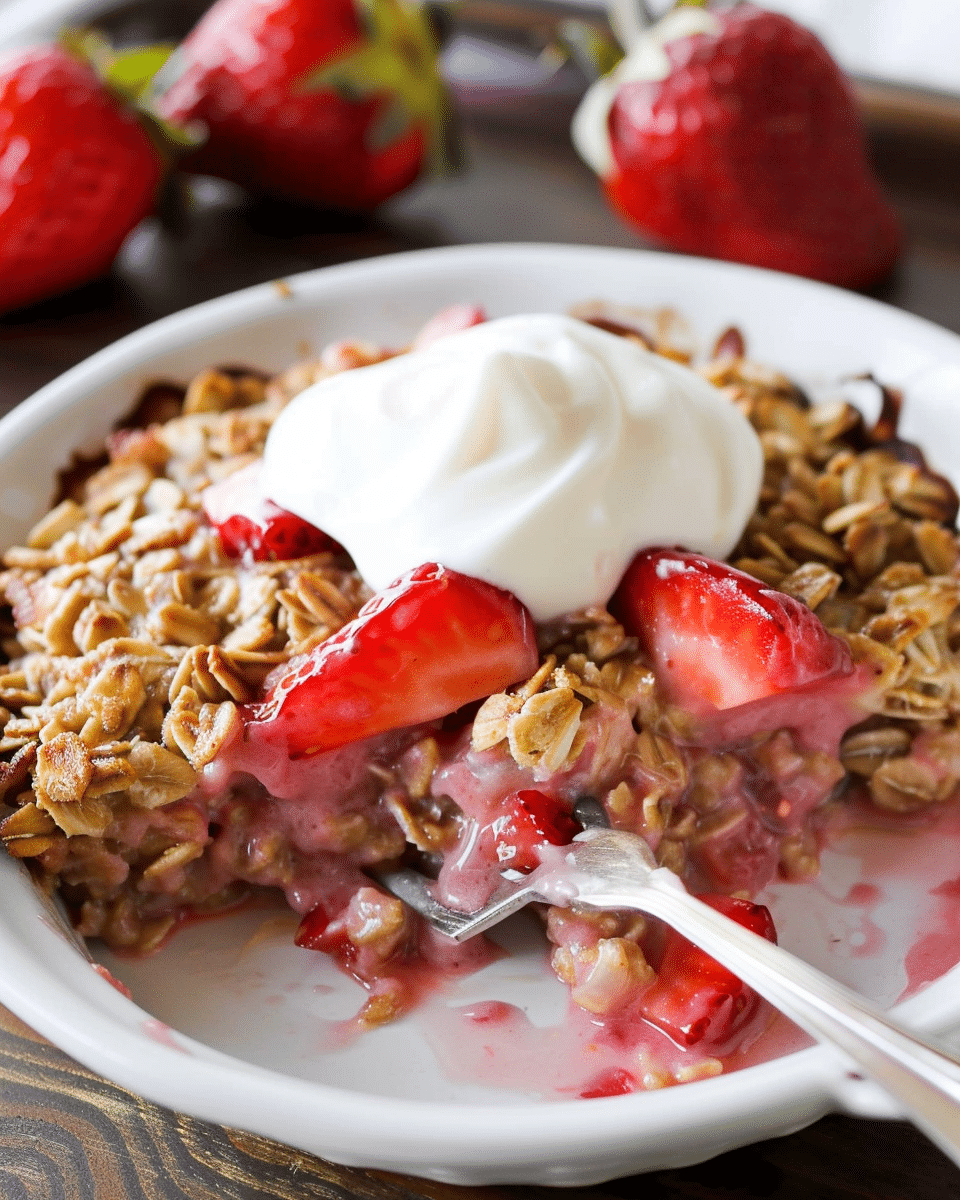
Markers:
{"x": 194, "y": 706}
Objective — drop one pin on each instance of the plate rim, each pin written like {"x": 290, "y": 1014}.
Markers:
{"x": 815, "y": 1090}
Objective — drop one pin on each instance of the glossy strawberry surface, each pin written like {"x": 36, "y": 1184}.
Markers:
{"x": 720, "y": 638}
{"x": 249, "y": 523}
{"x": 613, "y": 1082}
{"x": 77, "y": 173}
{"x": 530, "y": 820}
{"x": 752, "y": 149}
{"x": 302, "y": 99}
{"x": 695, "y": 1000}
{"x": 419, "y": 650}
{"x": 318, "y": 931}
{"x": 275, "y": 534}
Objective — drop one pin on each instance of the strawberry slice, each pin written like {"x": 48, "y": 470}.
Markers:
{"x": 318, "y": 930}
{"x": 613, "y": 1082}
{"x": 530, "y": 820}
{"x": 250, "y": 523}
{"x": 454, "y": 319}
{"x": 429, "y": 643}
{"x": 694, "y": 999}
{"x": 719, "y": 639}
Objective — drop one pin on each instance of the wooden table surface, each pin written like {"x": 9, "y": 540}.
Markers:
{"x": 67, "y": 1135}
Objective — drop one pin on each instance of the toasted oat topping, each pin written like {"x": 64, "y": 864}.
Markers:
{"x": 136, "y": 642}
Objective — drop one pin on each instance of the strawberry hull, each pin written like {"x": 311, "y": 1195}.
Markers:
{"x": 333, "y": 105}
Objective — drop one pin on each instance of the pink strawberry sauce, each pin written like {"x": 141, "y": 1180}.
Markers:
{"x": 907, "y": 868}
{"x": 328, "y": 809}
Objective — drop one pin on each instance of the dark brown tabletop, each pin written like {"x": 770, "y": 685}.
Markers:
{"x": 64, "y": 1133}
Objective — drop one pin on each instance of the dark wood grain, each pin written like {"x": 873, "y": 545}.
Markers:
{"x": 67, "y": 1135}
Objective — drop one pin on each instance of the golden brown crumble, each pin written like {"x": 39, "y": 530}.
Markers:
{"x": 136, "y": 639}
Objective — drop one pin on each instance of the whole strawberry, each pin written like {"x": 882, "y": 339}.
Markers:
{"x": 77, "y": 173}
{"x": 732, "y": 133}
{"x": 330, "y": 102}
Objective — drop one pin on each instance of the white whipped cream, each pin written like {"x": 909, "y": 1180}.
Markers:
{"x": 536, "y": 452}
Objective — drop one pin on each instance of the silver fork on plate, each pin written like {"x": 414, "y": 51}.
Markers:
{"x": 609, "y": 869}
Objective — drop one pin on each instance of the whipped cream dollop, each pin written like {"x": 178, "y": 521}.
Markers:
{"x": 538, "y": 453}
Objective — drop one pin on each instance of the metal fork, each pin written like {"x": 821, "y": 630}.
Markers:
{"x": 610, "y": 869}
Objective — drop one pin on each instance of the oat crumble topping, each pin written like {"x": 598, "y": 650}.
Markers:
{"x": 134, "y": 641}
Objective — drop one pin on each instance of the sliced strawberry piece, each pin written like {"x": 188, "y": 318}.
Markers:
{"x": 530, "y": 820}
{"x": 276, "y": 534}
{"x": 454, "y": 319}
{"x": 420, "y": 649}
{"x": 695, "y": 1000}
{"x": 319, "y": 931}
{"x": 249, "y": 523}
{"x": 720, "y": 638}
{"x": 613, "y": 1082}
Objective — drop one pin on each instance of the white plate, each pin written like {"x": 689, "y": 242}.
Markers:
{"x": 240, "y": 1029}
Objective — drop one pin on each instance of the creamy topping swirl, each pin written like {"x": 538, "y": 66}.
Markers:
{"x": 536, "y": 452}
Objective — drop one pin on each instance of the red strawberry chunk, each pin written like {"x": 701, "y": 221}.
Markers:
{"x": 454, "y": 319}
{"x": 695, "y": 1000}
{"x": 319, "y": 931}
{"x": 250, "y": 523}
{"x": 613, "y": 1082}
{"x": 720, "y": 638}
{"x": 420, "y": 649}
{"x": 530, "y": 821}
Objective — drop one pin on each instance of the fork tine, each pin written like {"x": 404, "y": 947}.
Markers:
{"x": 414, "y": 889}
{"x": 496, "y": 911}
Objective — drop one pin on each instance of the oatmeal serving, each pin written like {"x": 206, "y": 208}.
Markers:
{"x": 214, "y": 686}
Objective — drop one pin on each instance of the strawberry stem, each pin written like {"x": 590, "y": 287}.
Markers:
{"x": 629, "y": 20}
{"x": 594, "y": 52}
{"x": 396, "y": 60}
{"x": 129, "y": 75}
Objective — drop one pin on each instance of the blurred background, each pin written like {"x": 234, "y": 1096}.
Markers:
{"x": 519, "y": 179}
{"x": 915, "y": 45}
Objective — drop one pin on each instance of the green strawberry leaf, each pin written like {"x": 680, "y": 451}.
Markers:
{"x": 127, "y": 73}
{"x": 133, "y": 71}
{"x": 397, "y": 59}
{"x": 130, "y": 75}
{"x": 594, "y": 52}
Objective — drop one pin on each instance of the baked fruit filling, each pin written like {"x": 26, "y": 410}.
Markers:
{"x": 203, "y": 697}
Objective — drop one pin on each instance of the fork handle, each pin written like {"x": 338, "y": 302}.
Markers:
{"x": 921, "y": 1077}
